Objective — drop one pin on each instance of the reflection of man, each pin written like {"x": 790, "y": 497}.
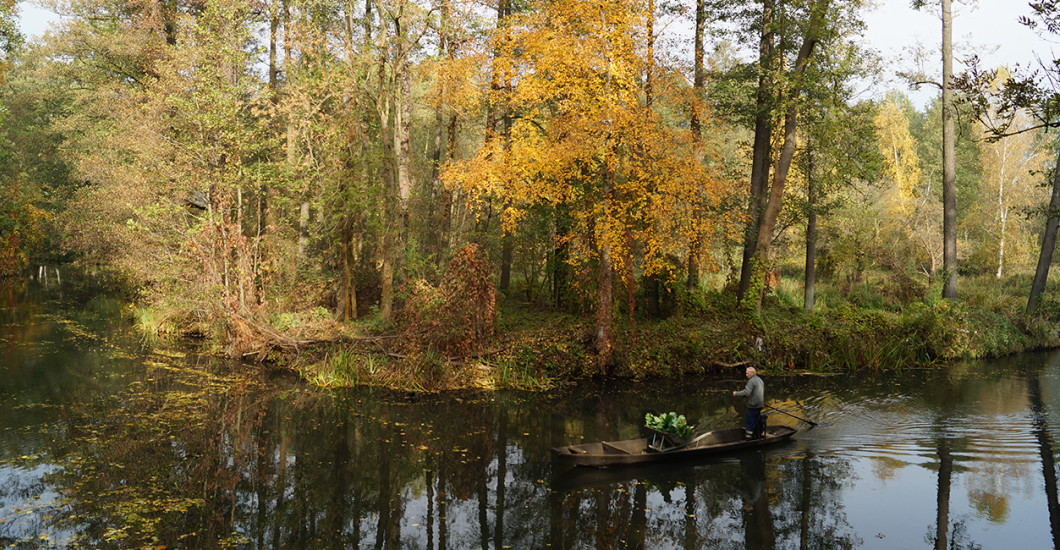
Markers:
{"x": 755, "y": 391}
{"x": 757, "y": 519}
{"x": 754, "y": 473}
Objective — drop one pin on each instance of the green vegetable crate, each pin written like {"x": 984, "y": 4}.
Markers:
{"x": 667, "y": 431}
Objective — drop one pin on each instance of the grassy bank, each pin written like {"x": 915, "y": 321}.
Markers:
{"x": 859, "y": 328}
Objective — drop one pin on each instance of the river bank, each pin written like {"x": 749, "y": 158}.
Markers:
{"x": 539, "y": 349}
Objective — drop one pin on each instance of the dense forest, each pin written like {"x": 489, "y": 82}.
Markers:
{"x": 428, "y": 189}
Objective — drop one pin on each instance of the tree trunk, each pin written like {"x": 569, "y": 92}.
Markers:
{"x": 367, "y": 22}
{"x": 649, "y": 77}
{"x": 604, "y": 311}
{"x": 240, "y": 251}
{"x": 1045, "y": 258}
{"x": 439, "y": 203}
{"x": 349, "y": 260}
{"x": 292, "y": 141}
{"x": 403, "y": 120}
{"x": 386, "y": 283}
{"x": 434, "y": 235}
{"x": 696, "y": 128}
{"x": 303, "y": 209}
{"x": 810, "y": 272}
{"x": 764, "y": 244}
{"x": 763, "y": 248}
{"x": 402, "y": 135}
{"x": 504, "y": 9}
{"x": 394, "y": 100}
{"x": 760, "y": 151}
{"x": 605, "y": 288}
{"x": 274, "y": 25}
{"x": 445, "y": 207}
{"x": 698, "y": 78}
{"x": 303, "y": 229}
{"x": 692, "y": 281}
{"x": 436, "y": 153}
{"x": 386, "y": 238}
{"x": 495, "y": 76}
{"x": 949, "y": 166}
{"x": 1002, "y": 214}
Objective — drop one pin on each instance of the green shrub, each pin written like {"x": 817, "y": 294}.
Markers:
{"x": 939, "y": 328}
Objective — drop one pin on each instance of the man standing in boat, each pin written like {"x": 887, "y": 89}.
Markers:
{"x": 755, "y": 392}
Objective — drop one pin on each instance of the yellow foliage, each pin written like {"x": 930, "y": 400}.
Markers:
{"x": 582, "y": 138}
{"x": 898, "y": 148}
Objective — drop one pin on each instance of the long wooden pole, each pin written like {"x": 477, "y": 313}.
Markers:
{"x": 810, "y": 422}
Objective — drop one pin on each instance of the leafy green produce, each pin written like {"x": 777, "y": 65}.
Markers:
{"x": 671, "y": 423}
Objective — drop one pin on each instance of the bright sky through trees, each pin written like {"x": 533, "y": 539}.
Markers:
{"x": 33, "y": 19}
{"x": 989, "y": 28}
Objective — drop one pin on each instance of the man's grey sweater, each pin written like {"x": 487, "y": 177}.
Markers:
{"x": 755, "y": 392}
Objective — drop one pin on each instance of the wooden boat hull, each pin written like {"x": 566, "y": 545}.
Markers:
{"x": 637, "y": 451}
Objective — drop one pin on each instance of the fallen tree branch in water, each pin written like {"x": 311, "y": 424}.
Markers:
{"x": 737, "y": 364}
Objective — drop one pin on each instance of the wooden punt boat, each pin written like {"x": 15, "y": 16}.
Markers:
{"x": 640, "y": 451}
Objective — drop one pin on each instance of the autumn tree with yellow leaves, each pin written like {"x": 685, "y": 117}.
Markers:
{"x": 898, "y": 149}
{"x": 583, "y": 140}
{"x": 909, "y": 208}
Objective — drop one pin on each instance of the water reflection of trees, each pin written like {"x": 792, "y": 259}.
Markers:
{"x": 188, "y": 459}
{"x": 1045, "y": 447}
{"x": 811, "y": 500}
{"x": 748, "y": 503}
{"x": 298, "y": 471}
{"x": 190, "y": 454}
{"x": 185, "y": 458}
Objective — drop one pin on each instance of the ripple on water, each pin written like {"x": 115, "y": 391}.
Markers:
{"x": 893, "y": 428}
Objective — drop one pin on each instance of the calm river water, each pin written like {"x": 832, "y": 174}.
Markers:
{"x": 104, "y": 444}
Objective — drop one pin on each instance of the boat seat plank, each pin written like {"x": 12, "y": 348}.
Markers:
{"x": 613, "y": 449}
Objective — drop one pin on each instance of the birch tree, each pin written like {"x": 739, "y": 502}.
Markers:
{"x": 1009, "y": 187}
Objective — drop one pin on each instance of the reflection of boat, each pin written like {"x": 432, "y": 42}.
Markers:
{"x": 658, "y": 474}
{"x": 639, "y": 451}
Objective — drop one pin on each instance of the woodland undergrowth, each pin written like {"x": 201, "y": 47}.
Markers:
{"x": 461, "y": 333}
{"x": 536, "y": 348}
